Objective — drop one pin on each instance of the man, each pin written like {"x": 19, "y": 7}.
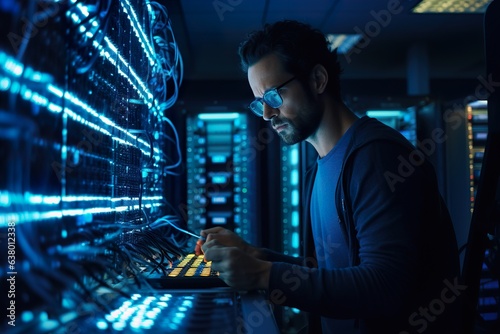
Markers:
{"x": 382, "y": 249}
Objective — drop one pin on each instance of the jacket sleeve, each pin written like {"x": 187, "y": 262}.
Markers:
{"x": 387, "y": 202}
{"x": 272, "y": 256}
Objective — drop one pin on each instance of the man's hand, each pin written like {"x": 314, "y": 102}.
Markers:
{"x": 225, "y": 237}
{"x": 237, "y": 268}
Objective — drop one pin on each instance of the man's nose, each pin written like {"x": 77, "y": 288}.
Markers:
{"x": 269, "y": 112}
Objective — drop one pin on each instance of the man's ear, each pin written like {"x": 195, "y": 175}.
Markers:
{"x": 319, "y": 78}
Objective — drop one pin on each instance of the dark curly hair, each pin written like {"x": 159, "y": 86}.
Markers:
{"x": 299, "y": 46}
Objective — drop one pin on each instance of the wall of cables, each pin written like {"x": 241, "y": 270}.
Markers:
{"x": 86, "y": 143}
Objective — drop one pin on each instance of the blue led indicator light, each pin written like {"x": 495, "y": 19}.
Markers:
{"x": 102, "y": 325}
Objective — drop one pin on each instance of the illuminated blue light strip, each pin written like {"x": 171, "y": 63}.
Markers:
{"x": 41, "y": 100}
{"x": 218, "y": 116}
{"x": 295, "y": 240}
{"x": 94, "y": 126}
{"x": 55, "y": 90}
{"x": 294, "y": 177}
{"x": 295, "y": 197}
{"x": 295, "y": 218}
{"x": 7, "y": 199}
{"x": 27, "y": 216}
{"x": 37, "y": 98}
{"x": 150, "y": 53}
{"x": 384, "y": 113}
{"x": 80, "y": 119}
{"x": 54, "y": 108}
{"x": 83, "y": 9}
{"x": 16, "y": 69}
{"x": 73, "y": 99}
{"x": 294, "y": 155}
{"x": 104, "y": 51}
{"x": 5, "y": 84}
{"x": 12, "y": 66}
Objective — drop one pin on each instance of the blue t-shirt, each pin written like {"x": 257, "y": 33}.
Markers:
{"x": 329, "y": 242}
{"x": 330, "y": 245}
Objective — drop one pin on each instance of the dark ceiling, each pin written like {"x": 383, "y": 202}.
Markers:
{"x": 208, "y": 33}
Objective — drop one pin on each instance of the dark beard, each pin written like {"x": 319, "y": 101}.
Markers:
{"x": 304, "y": 125}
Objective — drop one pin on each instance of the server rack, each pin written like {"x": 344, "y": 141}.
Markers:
{"x": 477, "y": 134}
{"x": 87, "y": 149}
{"x": 221, "y": 188}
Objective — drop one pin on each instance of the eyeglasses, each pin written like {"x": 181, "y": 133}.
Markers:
{"x": 272, "y": 98}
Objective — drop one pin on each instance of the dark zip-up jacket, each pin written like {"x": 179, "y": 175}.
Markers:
{"x": 404, "y": 268}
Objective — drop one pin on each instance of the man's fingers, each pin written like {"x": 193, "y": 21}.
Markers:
{"x": 205, "y": 233}
{"x": 208, "y": 244}
{"x": 197, "y": 247}
{"x": 214, "y": 253}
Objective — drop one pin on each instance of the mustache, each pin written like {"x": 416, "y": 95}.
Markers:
{"x": 277, "y": 122}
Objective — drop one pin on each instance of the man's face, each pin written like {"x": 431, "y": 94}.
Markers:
{"x": 299, "y": 116}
